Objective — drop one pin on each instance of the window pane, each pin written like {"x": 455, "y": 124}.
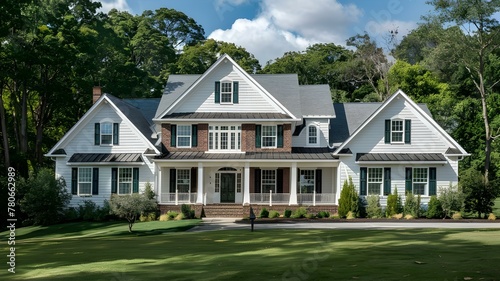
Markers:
{"x": 419, "y": 180}
{"x": 313, "y": 134}
{"x": 238, "y": 182}
{"x": 307, "y": 181}
{"x": 375, "y": 179}
{"x": 85, "y": 181}
{"x": 226, "y": 92}
{"x": 183, "y": 180}
{"x": 224, "y": 137}
{"x": 397, "y": 131}
{"x": 223, "y": 141}
{"x": 85, "y": 188}
{"x": 124, "y": 180}
{"x": 419, "y": 188}
{"x": 106, "y": 133}
{"x": 184, "y": 135}
{"x": 269, "y": 136}
{"x": 268, "y": 181}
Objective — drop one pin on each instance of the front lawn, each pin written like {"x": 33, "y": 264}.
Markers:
{"x": 107, "y": 252}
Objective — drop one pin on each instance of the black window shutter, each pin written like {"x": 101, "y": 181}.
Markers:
{"x": 74, "y": 181}
{"x": 280, "y": 136}
{"x": 194, "y": 179}
{"x": 114, "y": 180}
{"x": 257, "y": 180}
{"x": 319, "y": 180}
{"x": 409, "y": 179}
{"x": 432, "y": 181}
{"x": 387, "y": 181}
{"x": 97, "y": 134}
{"x": 408, "y": 131}
{"x": 194, "y": 135}
{"x": 258, "y": 136}
{"x": 95, "y": 181}
{"x": 362, "y": 180}
{"x": 135, "y": 180}
{"x": 173, "y": 176}
{"x": 279, "y": 181}
{"x": 173, "y": 135}
{"x": 387, "y": 131}
{"x": 217, "y": 92}
{"x": 235, "y": 92}
{"x": 116, "y": 129}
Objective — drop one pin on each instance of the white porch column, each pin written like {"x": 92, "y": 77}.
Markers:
{"x": 293, "y": 184}
{"x": 199, "y": 196}
{"x": 158, "y": 186}
{"x": 339, "y": 183}
{"x": 246, "y": 184}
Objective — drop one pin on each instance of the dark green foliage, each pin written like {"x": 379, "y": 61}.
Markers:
{"x": 348, "y": 201}
{"x": 46, "y": 198}
{"x": 479, "y": 196}
{"x": 452, "y": 200}
{"x": 323, "y": 214}
{"x": 373, "y": 209}
{"x": 131, "y": 206}
{"x": 300, "y": 212}
{"x": 264, "y": 213}
{"x": 274, "y": 214}
{"x": 288, "y": 213}
{"x": 310, "y": 216}
{"x": 187, "y": 211}
{"x": 434, "y": 210}
{"x": 148, "y": 191}
{"x": 412, "y": 205}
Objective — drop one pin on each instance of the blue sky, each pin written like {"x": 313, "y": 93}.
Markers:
{"x": 269, "y": 28}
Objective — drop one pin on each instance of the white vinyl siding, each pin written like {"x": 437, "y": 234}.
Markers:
{"x": 302, "y": 140}
{"x": 251, "y": 99}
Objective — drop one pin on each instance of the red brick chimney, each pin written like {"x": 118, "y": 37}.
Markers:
{"x": 96, "y": 93}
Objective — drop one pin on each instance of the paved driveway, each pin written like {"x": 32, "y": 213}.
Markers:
{"x": 229, "y": 224}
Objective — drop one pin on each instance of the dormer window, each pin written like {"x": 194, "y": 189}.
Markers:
{"x": 226, "y": 92}
{"x": 312, "y": 135}
{"x": 106, "y": 133}
{"x": 397, "y": 131}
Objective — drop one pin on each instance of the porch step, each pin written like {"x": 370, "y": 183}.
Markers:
{"x": 223, "y": 211}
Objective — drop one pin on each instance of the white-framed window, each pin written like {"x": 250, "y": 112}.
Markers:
{"x": 226, "y": 92}
{"x": 183, "y": 135}
{"x": 238, "y": 182}
{"x": 307, "y": 181}
{"x": 106, "y": 133}
{"x": 225, "y": 137}
{"x": 84, "y": 181}
{"x": 312, "y": 135}
{"x": 269, "y": 136}
{"x": 183, "y": 180}
{"x": 217, "y": 182}
{"x": 124, "y": 180}
{"x": 375, "y": 181}
{"x": 268, "y": 181}
{"x": 420, "y": 180}
{"x": 397, "y": 131}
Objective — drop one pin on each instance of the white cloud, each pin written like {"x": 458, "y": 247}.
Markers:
{"x": 290, "y": 25}
{"x": 120, "y": 5}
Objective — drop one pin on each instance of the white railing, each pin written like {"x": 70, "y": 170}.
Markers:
{"x": 316, "y": 198}
{"x": 179, "y": 197}
{"x": 269, "y": 198}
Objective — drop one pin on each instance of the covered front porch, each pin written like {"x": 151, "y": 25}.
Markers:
{"x": 245, "y": 182}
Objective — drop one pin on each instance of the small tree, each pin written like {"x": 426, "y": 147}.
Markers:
{"x": 412, "y": 205}
{"x": 148, "y": 191}
{"x": 435, "y": 211}
{"x": 348, "y": 201}
{"x": 479, "y": 198}
{"x": 452, "y": 200}
{"x": 130, "y": 207}
{"x": 46, "y": 198}
{"x": 393, "y": 204}
{"x": 373, "y": 209}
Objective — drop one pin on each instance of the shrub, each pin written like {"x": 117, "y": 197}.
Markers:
{"x": 323, "y": 214}
{"x": 300, "y": 212}
{"x": 492, "y": 217}
{"x": 88, "y": 210}
{"x": 348, "y": 201}
{"x": 179, "y": 217}
{"x": 351, "y": 215}
{"x": 412, "y": 205}
{"x": 434, "y": 211}
{"x": 452, "y": 200}
{"x": 171, "y": 215}
{"x": 398, "y": 216}
{"x": 409, "y": 217}
{"x": 310, "y": 216}
{"x": 288, "y": 213}
{"x": 148, "y": 191}
{"x": 479, "y": 197}
{"x": 71, "y": 214}
{"x": 335, "y": 216}
{"x": 274, "y": 214}
{"x": 148, "y": 217}
{"x": 130, "y": 206}
{"x": 457, "y": 216}
{"x": 264, "y": 213}
{"x": 187, "y": 211}
{"x": 164, "y": 217}
{"x": 393, "y": 204}
{"x": 46, "y": 198}
{"x": 373, "y": 210}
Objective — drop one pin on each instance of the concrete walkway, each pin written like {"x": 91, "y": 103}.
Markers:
{"x": 231, "y": 224}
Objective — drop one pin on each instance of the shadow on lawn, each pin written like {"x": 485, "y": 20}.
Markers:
{"x": 414, "y": 254}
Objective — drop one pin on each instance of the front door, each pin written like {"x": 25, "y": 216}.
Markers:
{"x": 227, "y": 187}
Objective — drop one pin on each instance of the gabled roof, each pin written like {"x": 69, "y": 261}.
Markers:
{"x": 425, "y": 114}
{"x": 178, "y": 95}
{"x": 127, "y": 111}
{"x": 176, "y": 86}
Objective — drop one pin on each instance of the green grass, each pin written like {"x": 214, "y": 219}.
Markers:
{"x": 106, "y": 252}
